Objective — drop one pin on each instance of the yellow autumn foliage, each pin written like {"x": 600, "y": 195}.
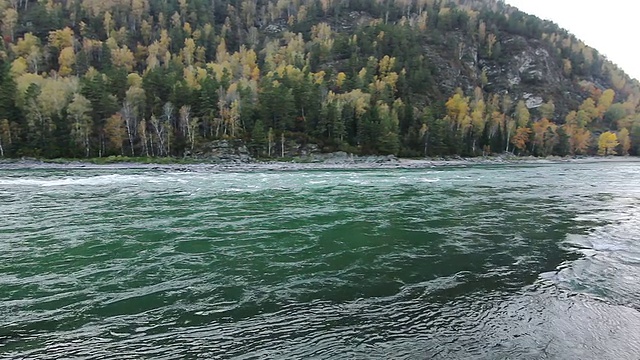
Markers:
{"x": 607, "y": 143}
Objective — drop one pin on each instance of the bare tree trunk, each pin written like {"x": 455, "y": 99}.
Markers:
{"x": 270, "y": 141}
{"x": 130, "y": 134}
{"x": 508, "y": 136}
{"x": 103, "y": 147}
{"x": 145, "y": 145}
{"x": 169, "y": 141}
{"x": 127, "y": 113}
{"x": 168, "y": 113}
{"x": 151, "y": 145}
{"x": 86, "y": 144}
{"x": 282, "y": 144}
{"x": 1, "y": 148}
{"x": 159, "y": 133}
{"x": 426, "y": 143}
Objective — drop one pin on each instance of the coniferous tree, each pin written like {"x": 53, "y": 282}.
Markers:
{"x": 94, "y": 78}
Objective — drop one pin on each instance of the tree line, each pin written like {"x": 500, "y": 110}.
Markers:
{"x": 140, "y": 78}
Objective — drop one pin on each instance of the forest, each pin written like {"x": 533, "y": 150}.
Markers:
{"x": 96, "y": 78}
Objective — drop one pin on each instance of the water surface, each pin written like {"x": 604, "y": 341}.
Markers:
{"x": 486, "y": 262}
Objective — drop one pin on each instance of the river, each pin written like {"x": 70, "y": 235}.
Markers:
{"x": 535, "y": 261}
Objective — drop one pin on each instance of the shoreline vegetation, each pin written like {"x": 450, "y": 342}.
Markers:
{"x": 93, "y": 79}
{"x": 297, "y": 163}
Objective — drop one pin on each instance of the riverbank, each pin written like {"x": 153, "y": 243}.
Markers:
{"x": 329, "y": 163}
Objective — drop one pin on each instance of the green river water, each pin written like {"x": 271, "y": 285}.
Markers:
{"x": 484, "y": 262}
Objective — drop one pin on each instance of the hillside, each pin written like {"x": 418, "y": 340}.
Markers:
{"x": 406, "y": 77}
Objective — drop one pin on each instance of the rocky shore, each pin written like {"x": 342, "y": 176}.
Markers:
{"x": 332, "y": 161}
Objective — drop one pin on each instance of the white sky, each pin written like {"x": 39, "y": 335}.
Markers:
{"x": 611, "y": 27}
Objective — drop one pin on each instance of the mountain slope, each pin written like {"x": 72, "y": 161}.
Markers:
{"x": 411, "y": 77}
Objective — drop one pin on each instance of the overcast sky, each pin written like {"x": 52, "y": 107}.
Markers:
{"x": 610, "y": 26}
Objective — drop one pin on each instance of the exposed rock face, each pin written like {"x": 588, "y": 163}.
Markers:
{"x": 341, "y": 157}
{"x": 276, "y": 27}
{"x": 294, "y": 149}
{"x": 235, "y": 151}
{"x": 520, "y": 67}
{"x": 524, "y": 70}
{"x": 230, "y": 151}
{"x": 224, "y": 151}
{"x": 532, "y": 101}
{"x": 527, "y": 72}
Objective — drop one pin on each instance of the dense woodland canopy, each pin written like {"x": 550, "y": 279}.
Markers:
{"x": 88, "y": 78}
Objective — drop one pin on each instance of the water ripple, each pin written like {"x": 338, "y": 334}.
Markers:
{"x": 479, "y": 262}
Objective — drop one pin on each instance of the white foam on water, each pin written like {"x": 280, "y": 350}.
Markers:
{"x": 75, "y": 181}
{"x": 318, "y": 182}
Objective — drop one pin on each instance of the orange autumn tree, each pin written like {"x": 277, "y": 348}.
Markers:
{"x": 579, "y": 140}
{"x": 539, "y": 130}
{"x": 520, "y": 139}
